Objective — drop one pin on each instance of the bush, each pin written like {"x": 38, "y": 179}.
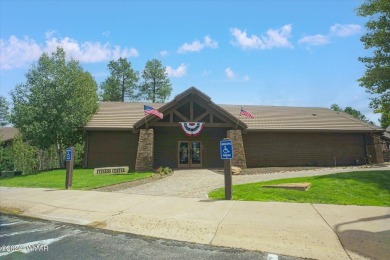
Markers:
{"x": 6, "y": 160}
{"x": 24, "y": 155}
{"x": 163, "y": 170}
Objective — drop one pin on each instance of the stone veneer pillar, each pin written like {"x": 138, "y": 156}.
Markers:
{"x": 374, "y": 149}
{"x": 239, "y": 158}
{"x": 144, "y": 161}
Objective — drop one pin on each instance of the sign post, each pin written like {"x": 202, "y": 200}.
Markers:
{"x": 226, "y": 151}
{"x": 69, "y": 167}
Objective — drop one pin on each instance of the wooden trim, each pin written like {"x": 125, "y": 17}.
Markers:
{"x": 201, "y": 116}
{"x": 176, "y": 124}
{"x": 194, "y": 95}
{"x": 191, "y": 110}
{"x": 181, "y": 115}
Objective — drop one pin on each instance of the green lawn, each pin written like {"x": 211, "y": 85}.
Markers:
{"x": 369, "y": 188}
{"x": 83, "y": 179}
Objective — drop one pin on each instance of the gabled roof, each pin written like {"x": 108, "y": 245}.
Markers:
{"x": 8, "y": 133}
{"x": 125, "y": 116}
{"x": 386, "y": 135}
{"x": 189, "y": 93}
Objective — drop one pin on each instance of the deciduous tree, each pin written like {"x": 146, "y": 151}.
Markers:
{"x": 376, "y": 79}
{"x": 57, "y": 99}
{"x": 156, "y": 86}
{"x": 3, "y": 111}
{"x": 353, "y": 112}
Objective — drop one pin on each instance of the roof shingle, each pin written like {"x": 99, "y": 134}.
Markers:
{"x": 123, "y": 116}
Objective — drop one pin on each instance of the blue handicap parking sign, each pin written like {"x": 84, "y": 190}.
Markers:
{"x": 226, "y": 149}
{"x": 68, "y": 156}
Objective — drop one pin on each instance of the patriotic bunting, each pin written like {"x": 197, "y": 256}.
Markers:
{"x": 192, "y": 128}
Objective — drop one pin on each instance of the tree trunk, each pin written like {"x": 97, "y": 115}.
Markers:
{"x": 154, "y": 90}
{"x": 123, "y": 89}
{"x": 60, "y": 156}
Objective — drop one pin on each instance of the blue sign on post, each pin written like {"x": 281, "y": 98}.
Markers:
{"x": 226, "y": 149}
{"x": 68, "y": 156}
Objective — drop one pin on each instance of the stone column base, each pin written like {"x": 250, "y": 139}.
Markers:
{"x": 239, "y": 158}
{"x": 374, "y": 149}
{"x": 144, "y": 160}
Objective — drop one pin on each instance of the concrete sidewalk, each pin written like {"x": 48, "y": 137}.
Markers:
{"x": 302, "y": 230}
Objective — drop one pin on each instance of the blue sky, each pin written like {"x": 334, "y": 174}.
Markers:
{"x": 282, "y": 53}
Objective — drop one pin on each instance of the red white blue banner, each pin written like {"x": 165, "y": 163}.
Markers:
{"x": 192, "y": 128}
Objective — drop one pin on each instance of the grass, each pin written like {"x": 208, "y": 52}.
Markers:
{"x": 368, "y": 188}
{"x": 83, "y": 179}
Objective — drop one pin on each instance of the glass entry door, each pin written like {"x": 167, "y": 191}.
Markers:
{"x": 190, "y": 154}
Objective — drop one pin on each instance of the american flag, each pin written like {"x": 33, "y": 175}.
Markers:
{"x": 152, "y": 111}
{"x": 246, "y": 113}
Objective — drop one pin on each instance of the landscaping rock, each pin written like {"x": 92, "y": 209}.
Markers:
{"x": 236, "y": 170}
{"x": 304, "y": 186}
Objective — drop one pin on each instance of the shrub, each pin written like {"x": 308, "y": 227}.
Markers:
{"x": 163, "y": 170}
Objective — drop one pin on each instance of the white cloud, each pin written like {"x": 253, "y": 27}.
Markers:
{"x": 336, "y": 30}
{"x": 16, "y": 53}
{"x": 197, "y": 46}
{"x": 106, "y": 33}
{"x": 246, "y": 78}
{"x": 164, "y": 53}
{"x": 229, "y": 73}
{"x": 50, "y": 34}
{"x": 123, "y": 53}
{"x": 178, "y": 72}
{"x": 315, "y": 40}
{"x": 273, "y": 38}
{"x": 208, "y": 42}
{"x": 206, "y": 73}
{"x": 89, "y": 52}
{"x": 345, "y": 30}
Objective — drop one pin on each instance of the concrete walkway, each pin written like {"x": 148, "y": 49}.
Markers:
{"x": 301, "y": 230}
{"x": 182, "y": 183}
{"x": 197, "y": 183}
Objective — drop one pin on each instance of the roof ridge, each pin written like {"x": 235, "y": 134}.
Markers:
{"x": 273, "y": 106}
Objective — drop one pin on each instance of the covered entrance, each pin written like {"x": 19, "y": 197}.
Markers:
{"x": 190, "y": 154}
{"x": 170, "y": 142}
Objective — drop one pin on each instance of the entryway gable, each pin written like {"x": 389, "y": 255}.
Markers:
{"x": 193, "y": 105}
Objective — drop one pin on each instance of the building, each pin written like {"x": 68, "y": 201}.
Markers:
{"x": 386, "y": 145}
{"x": 7, "y": 134}
{"x": 120, "y": 135}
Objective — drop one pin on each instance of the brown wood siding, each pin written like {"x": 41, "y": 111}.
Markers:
{"x": 302, "y": 149}
{"x": 166, "y": 146}
{"x": 112, "y": 148}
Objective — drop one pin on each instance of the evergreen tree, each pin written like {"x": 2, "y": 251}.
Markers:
{"x": 156, "y": 86}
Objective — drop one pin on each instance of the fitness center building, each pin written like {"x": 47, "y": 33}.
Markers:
{"x": 120, "y": 134}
